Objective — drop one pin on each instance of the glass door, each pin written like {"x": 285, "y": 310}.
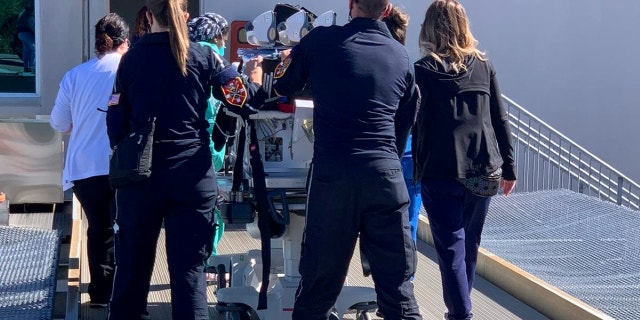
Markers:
{"x": 17, "y": 46}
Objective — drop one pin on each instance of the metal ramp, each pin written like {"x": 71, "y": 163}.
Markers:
{"x": 28, "y": 262}
{"x": 490, "y": 302}
{"x": 585, "y": 246}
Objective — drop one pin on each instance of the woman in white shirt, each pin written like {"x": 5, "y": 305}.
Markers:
{"x": 80, "y": 110}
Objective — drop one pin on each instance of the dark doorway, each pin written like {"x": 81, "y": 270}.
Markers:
{"x": 129, "y": 8}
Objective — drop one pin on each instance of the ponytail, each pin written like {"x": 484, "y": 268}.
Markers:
{"x": 179, "y": 36}
{"x": 170, "y": 13}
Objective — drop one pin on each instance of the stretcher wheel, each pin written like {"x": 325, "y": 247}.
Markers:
{"x": 222, "y": 279}
{"x": 234, "y": 311}
{"x": 237, "y": 315}
{"x": 364, "y": 316}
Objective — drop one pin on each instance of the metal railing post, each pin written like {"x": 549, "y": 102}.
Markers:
{"x": 619, "y": 190}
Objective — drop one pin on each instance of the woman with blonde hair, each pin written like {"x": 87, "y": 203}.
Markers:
{"x": 167, "y": 78}
{"x": 462, "y": 147}
{"x": 397, "y": 22}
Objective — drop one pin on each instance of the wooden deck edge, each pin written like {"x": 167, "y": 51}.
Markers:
{"x": 75, "y": 250}
{"x": 543, "y": 297}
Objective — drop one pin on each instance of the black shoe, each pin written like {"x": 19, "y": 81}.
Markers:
{"x": 145, "y": 316}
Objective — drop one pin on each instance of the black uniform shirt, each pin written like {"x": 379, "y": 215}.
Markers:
{"x": 358, "y": 76}
{"x": 150, "y": 84}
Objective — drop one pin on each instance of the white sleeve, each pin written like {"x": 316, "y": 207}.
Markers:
{"x": 61, "y": 114}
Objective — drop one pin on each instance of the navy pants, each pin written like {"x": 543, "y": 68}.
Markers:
{"x": 183, "y": 199}
{"x": 456, "y": 218}
{"x": 415, "y": 202}
{"x": 98, "y": 203}
{"x": 344, "y": 201}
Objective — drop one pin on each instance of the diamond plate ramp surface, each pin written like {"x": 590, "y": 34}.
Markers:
{"x": 584, "y": 246}
{"x": 28, "y": 261}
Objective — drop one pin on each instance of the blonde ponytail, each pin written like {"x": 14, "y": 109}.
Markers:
{"x": 170, "y": 13}
{"x": 178, "y": 34}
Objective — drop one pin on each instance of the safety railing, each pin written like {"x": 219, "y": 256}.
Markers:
{"x": 546, "y": 159}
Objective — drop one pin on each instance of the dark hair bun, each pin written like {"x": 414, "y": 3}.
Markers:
{"x": 111, "y": 32}
{"x": 104, "y": 43}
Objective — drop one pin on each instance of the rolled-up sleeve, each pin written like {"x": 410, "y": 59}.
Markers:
{"x": 61, "y": 119}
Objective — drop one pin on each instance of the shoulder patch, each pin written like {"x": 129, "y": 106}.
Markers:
{"x": 282, "y": 67}
{"x": 235, "y": 93}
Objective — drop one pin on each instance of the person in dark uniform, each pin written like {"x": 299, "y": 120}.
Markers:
{"x": 462, "y": 133}
{"x": 362, "y": 83}
{"x": 166, "y": 77}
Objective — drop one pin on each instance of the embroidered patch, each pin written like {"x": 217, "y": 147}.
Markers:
{"x": 114, "y": 99}
{"x": 235, "y": 92}
{"x": 282, "y": 68}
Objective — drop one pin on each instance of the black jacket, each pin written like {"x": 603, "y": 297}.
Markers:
{"x": 462, "y": 129}
{"x": 149, "y": 84}
{"x": 363, "y": 87}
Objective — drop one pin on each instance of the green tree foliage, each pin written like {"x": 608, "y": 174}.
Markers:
{"x": 9, "y": 11}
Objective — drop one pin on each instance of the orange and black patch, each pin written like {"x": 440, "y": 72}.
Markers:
{"x": 235, "y": 93}
{"x": 282, "y": 68}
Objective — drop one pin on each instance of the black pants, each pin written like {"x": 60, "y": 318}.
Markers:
{"x": 98, "y": 202}
{"x": 183, "y": 199}
{"x": 456, "y": 218}
{"x": 344, "y": 201}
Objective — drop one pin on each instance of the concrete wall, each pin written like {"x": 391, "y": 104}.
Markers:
{"x": 573, "y": 64}
{"x": 570, "y": 62}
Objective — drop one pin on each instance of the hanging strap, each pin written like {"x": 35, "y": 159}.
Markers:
{"x": 264, "y": 213}
{"x": 238, "y": 168}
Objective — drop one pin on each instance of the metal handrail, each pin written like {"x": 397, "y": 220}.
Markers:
{"x": 547, "y": 159}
